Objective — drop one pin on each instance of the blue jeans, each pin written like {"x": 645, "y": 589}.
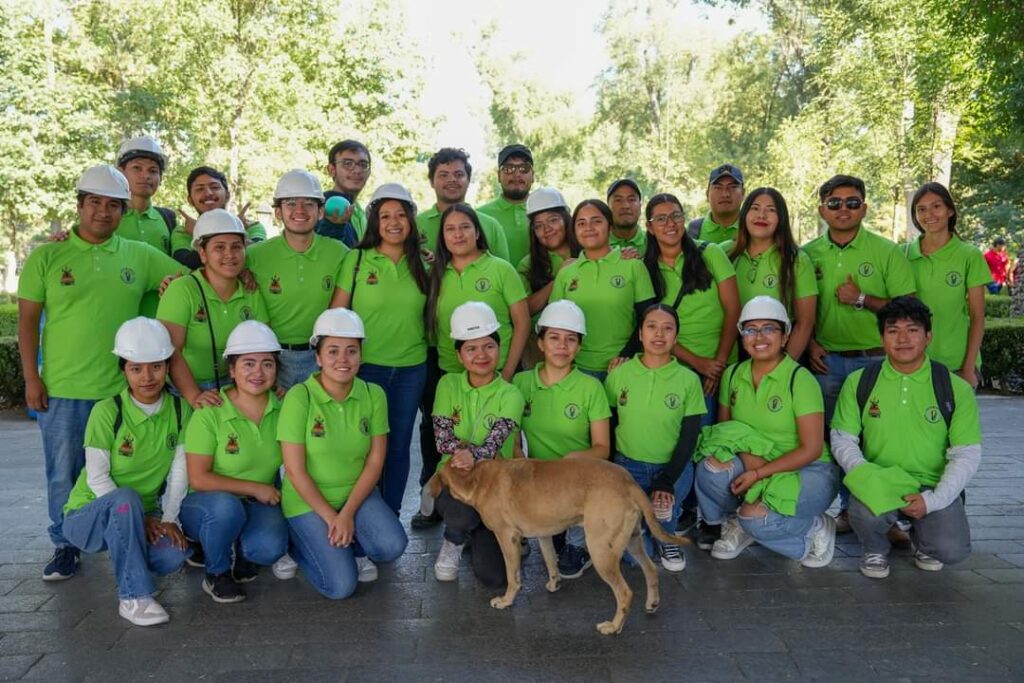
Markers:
{"x": 599, "y": 375}
{"x": 332, "y": 570}
{"x": 63, "y": 427}
{"x": 688, "y": 501}
{"x": 403, "y": 388}
{"x": 783, "y": 534}
{"x": 295, "y": 367}
{"x": 116, "y": 522}
{"x": 217, "y": 519}
{"x": 643, "y": 473}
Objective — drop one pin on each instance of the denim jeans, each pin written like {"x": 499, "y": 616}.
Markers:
{"x": 217, "y": 519}
{"x": 784, "y": 534}
{"x": 462, "y": 525}
{"x": 63, "y": 428}
{"x": 688, "y": 501}
{"x": 403, "y": 388}
{"x": 428, "y": 445}
{"x": 599, "y": 375}
{"x": 295, "y": 367}
{"x": 943, "y": 534}
{"x": 116, "y": 522}
{"x": 332, "y": 570}
{"x": 643, "y": 473}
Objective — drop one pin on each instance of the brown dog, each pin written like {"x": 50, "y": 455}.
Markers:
{"x": 538, "y": 498}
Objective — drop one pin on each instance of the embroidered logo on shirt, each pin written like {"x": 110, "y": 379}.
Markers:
{"x": 246, "y": 313}
{"x": 456, "y": 415}
{"x": 172, "y": 441}
{"x": 318, "y": 431}
{"x": 328, "y": 283}
{"x": 127, "y": 447}
{"x": 732, "y": 397}
{"x": 874, "y": 410}
{"x": 770, "y": 281}
{"x": 573, "y": 284}
{"x": 127, "y": 276}
{"x": 231, "y": 447}
{"x": 818, "y": 273}
{"x": 672, "y": 401}
{"x": 66, "y": 277}
{"x": 866, "y": 269}
{"x": 932, "y": 414}
{"x": 624, "y": 397}
{"x": 275, "y": 285}
{"x": 364, "y": 426}
{"x": 954, "y": 279}
{"x": 489, "y": 421}
{"x": 775, "y": 404}
{"x": 527, "y": 409}
{"x": 482, "y": 285}
{"x": 371, "y": 279}
{"x": 201, "y": 314}
{"x": 572, "y": 411}
{"x": 617, "y": 281}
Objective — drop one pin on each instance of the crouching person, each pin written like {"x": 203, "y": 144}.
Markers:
{"x": 907, "y": 433}
{"x": 132, "y": 450}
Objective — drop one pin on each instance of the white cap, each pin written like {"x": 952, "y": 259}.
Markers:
{"x": 141, "y": 146}
{"x": 217, "y": 222}
{"x": 545, "y": 199}
{"x": 563, "y": 315}
{"x": 338, "y": 322}
{"x": 251, "y": 336}
{"x": 391, "y": 191}
{"x": 104, "y": 180}
{"x": 143, "y": 340}
{"x": 473, "y": 320}
{"x": 299, "y": 183}
{"x": 764, "y": 308}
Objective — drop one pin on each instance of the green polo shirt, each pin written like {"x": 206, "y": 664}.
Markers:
{"x": 182, "y": 305}
{"x": 358, "y": 219}
{"x": 759, "y": 275}
{"x": 87, "y": 291}
{"x": 473, "y": 410}
{"x": 296, "y": 287}
{"x": 638, "y": 241}
{"x": 651, "y": 405}
{"x": 557, "y": 418}
{"x": 942, "y": 280}
{"x": 141, "y": 452}
{"x": 391, "y": 305}
{"x": 182, "y": 240}
{"x": 606, "y": 290}
{"x": 710, "y": 231}
{"x": 771, "y": 409}
{"x": 901, "y": 424}
{"x": 524, "y": 267}
{"x": 488, "y": 279}
{"x": 429, "y": 225}
{"x": 240, "y": 448}
{"x": 514, "y": 223}
{"x": 145, "y": 226}
{"x": 700, "y": 312}
{"x": 336, "y": 435}
{"x": 879, "y": 269}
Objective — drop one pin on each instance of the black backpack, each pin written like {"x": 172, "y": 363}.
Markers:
{"x": 169, "y": 218}
{"x": 694, "y": 227}
{"x": 942, "y": 384}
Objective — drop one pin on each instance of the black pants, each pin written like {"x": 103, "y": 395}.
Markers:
{"x": 462, "y": 524}
{"x": 428, "y": 445}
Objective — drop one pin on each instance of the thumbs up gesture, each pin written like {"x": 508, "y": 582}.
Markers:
{"x": 848, "y": 292}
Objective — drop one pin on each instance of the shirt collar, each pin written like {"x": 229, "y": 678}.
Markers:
{"x": 914, "y": 249}
{"x": 110, "y": 244}
{"x": 320, "y": 395}
{"x": 920, "y": 376}
{"x": 134, "y": 415}
{"x": 230, "y": 410}
{"x": 565, "y": 381}
{"x": 852, "y": 244}
{"x": 611, "y": 257}
{"x": 734, "y": 224}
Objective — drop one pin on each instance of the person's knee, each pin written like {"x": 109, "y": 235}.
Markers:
{"x": 756, "y": 510}
{"x": 265, "y": 546}
{"x": 126, "y": 501}
{"x": 389, "y": 547}
{"x": 951, "y": 553}
{"x": 165, "y": 558}
{"x": 715, "y": 465}
{"x": 338, "y": 585}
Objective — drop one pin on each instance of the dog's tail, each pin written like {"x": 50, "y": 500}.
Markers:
{"x": 644, "y": 503}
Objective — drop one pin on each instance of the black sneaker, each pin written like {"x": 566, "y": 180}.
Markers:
{"x": 196, "y": 559}
{"x": 573, "y": 561}
{"x": 243, "y": 570}
{"x": 687, "y": 520}
{"x": 62, "y": 565}
{"x": 222, "y": 588}
{"x": 422, "y": 521}
{"x": 707, "y": 534}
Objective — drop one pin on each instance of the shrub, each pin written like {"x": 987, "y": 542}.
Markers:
{"x": 8, "y": 320}
{"x": 12, "y": 384}
{"x": 997, "y": 306}
{"x": 1002, "y": 353}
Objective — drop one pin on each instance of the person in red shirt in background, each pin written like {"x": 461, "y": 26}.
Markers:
{"x": 999, "y": 263}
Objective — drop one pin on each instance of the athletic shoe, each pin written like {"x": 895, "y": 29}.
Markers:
{"x": 197, "y": 559}
{"x": 707, "y": 534}
{"x": 927, "y": 562}
{"x": 222, "y": 588}
{"x": 874, "y": 566}
{"x": 672, "y": 558}
{"x": 244, "y": 571}
{"x": 422, "y": 521}
{"x": 285, "y": 568}
{"x": 143, "y": 612}
{"x": 446, "y": 568}
{"x": 573, "y": 561}
{"x": 62, "y": 565}
{"x": 734, "y": 539}
{"x": 823, "y": 544}
{"x": 367, "y": 569}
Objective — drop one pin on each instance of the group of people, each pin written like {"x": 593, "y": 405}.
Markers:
{"x": 259, "y": 405}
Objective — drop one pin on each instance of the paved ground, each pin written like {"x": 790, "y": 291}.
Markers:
{"x": 759, "y": 617}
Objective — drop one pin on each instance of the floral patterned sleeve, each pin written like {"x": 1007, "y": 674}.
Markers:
{"x": 502, "y": 428}
{"x": 444, "y": 434}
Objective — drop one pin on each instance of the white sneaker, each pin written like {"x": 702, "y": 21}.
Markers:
{"x": 143, "y": 612}
{"x": 367, "y": 569}
{"x": 426, "y": 502}
{"x": 822, "y": 545}
{"x": 874, "y": 566}
{"x": 734, "y": 539}
{"x": 672, "y": 558}
{"x": 927, "y": 562}
{"x": 446, "y": 568}
{"x": 285, "y": 568}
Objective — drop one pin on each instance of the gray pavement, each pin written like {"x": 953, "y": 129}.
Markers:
{"x": 759, "y": 617}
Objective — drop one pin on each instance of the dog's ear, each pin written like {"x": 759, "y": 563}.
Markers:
{"x": 434, "y": 485}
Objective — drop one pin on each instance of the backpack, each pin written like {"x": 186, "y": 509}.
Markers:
{"x": 694, "y": 227}
{"x": 169, "y": 218}
{"x": 119, "y": 417}
{"x": 792, "y": 378}
{"x": 942, "y": 384}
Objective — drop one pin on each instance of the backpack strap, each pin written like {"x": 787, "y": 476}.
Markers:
{"x": 868, "y": 379}
{"x": 942, "y": 384}
{"x": 177, "y": 411}
{"x": 169, "y": 218}
{"x": 119, "y": 416}
{"x": 792, "y": 378}
{"x": 694, "y": 227}
{"x": 355, "y": 279}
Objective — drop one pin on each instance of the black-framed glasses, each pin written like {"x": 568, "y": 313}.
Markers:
{"x": 349, "y": 164}
{"x": 764, "y": 331}
{"x": 307, "y": 204}
{"x": 521, "y": 169}
{"x": 836, "y": 203}
{"x": 662, "y": 219}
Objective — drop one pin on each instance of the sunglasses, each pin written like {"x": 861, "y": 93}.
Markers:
{"x": 852, "y": 203}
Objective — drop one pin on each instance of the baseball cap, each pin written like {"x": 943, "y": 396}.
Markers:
{"x": 628, "y": 182}
{"x": 726, "y": 169}
{"x": 514, "y": 151}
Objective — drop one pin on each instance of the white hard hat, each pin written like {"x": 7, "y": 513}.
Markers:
{"x": 564, "y": 315}
{"x": 217, "y": 222}
{"x": 143, "y": 340}
{"x": 338, "y": 322}
{"x": 251, "y": 336}
{"x": 141, "y": 146}
{"x": 473, "y": 320}
{"x": 545, "y": 199}
{"x": 104, "y": 180}
{"x": 764, "y": 308}
{"x": 299, "y": 183}
{"x": 392, "y": 191}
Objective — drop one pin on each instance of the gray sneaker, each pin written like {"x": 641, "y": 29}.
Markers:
{"x": 822, "y": 545}
{"x": 874, "y": 566}
{"x": 927, "y": 562}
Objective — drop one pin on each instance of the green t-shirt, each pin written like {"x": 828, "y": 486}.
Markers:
{"x": 296, "y": 287}
{"x": 391, "y": 305}
{"x": 240, "y": 449}
{"x": 700, "y": 312}
{"x": 651, "y": 405}
{"x": 337, "y": 437}
{"x": 87, "y": 292}
{"x": 879, "y": 269}
{"x": 901, "y": 423}
{"x": 182, "y": 240}
{"x": 141, "y": 452}
{"x": 942, "y": 280}
{"x": 182, "y": 305}
{"x": 429, "y": 225}
{"x": 638, "y": 241}
{"x": 606, "y": 290}
{"x": 710, "y": 231}
{"x": 514, "y": 223}
{"x": 488, "y": 279}
{"x": 473, "y": 410}
{"x": 759, "y": 275}
{"x": 557, "y": 418}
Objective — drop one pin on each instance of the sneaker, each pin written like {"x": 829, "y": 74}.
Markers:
{"x": 143, "y": 612}
{"x": 244, "y": 571}
{"x": 874, "y": 566}
{"x": 367, "y": 569}
{"x": 446, "y": 568}
{"x": 707, "y": 534}
{"x": 62, "y": 565}
{"x": 222, "y": 588}
{"x": 843, "y": 522}
{"x": 285, "y": 568}
{"x": 573, "y": 561}
{"x": 422, "y": 521}
{"x": 426, "y": 502}
{"x": 734, "y": 539}
{"x": 822, "y": 545}
{"x": 672, "y": 558}
{"x": 687, "y": 520}
{"x": 927, "y": 562}
{"x": 196, "y": 559}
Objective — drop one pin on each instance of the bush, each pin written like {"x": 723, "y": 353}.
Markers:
{"x": 12, "y": 384}
{"x": 1002, "y": 352}
{"x": 8, "y": 320}
{"x": 997, "y": 306}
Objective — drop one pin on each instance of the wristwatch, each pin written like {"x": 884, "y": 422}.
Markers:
{"x": 859, "y": 303}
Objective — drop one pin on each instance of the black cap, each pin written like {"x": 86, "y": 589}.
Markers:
{"x": 726, "y": 169}
{"x": 514, "y": 151}
{"x": 629, "y": 182}
{"x": 999, "y": 241}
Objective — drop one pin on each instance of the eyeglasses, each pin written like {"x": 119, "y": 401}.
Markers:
{"x": 445, "y": 176}
{"x": 307, "y": 204}
{"x": 540, "y": 225}
{"x": 765, "y": 331}
{"x": 835, "y": 203}
{"x": 521, "y": 169}
{"x": 349, "y": 164}
{"x": 662, "y": 219}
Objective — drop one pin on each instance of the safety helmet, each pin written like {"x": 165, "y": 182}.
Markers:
{"x": 564, "y": 315}
{"x": 338, "y": 322}
{"x": 764, "y": 308}
{"x": 392, "y": 191}
{"x": 251, "y": 336}
{"x": 545, "y": 199}
{"x": 217, "y": 222}
{"x": 141, "y": 146}
{"x": 473, "y": 320}
{"x": 299, "y": 183}
{"x": 104, "y": 180}
{"x": 143, "y": 340}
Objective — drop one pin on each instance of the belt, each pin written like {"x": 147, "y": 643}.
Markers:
{"x": 861, "y": 353}
{"x": 295, "y": 347}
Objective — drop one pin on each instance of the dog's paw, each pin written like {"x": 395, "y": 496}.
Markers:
{"x": 608, "y": 628}
{"x": 553, "y": 584}
{"x": 500, "y": 602}
{"x": 652, "y": 607}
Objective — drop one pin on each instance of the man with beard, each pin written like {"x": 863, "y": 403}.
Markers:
{"x": 725, "y": 196}
{"x": 624, "y": 200}
{"x": 515, "y": 174}
{"x": 348, "y": 164}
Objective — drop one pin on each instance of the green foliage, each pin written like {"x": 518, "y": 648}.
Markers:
{"x": 8, "y": 320}
{"x": 12, "y": 384}
{"x": 1003, "y": 351}
{"x": 997, "y": 306}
